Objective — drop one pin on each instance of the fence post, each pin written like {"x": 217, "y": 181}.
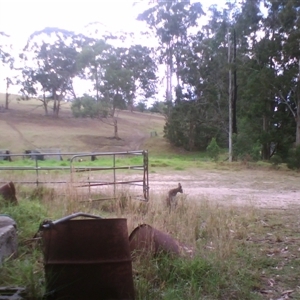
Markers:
{"x": 146, "y": 176}
{"x": 114, "y": 164}
{"x": 37, "y": 171}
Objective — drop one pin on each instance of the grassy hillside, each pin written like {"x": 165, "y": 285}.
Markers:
{"x": 25, "y": 126}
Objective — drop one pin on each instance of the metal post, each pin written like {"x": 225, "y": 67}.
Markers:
{"x": 71, "y": 170}
{"x": 146, "y": 176}
{"x": 114, "y": 170}
{"x": 37, "y": 171}
{"x": 89, "y": 185}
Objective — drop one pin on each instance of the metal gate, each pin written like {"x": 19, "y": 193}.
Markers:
{"x": 73, "y": 169}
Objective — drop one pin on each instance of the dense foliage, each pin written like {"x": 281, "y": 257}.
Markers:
{"x": 236, "y": 78}
{"x": 239, "y": 73}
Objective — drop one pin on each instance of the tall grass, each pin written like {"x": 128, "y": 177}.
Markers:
{"x": 231, "y": 244}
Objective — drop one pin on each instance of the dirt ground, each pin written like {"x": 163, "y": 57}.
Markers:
{"x": 260, "y": 188}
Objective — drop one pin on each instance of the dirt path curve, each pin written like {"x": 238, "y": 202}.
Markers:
{"x": 137, "y": 139}
{"x": 13, "y": 127}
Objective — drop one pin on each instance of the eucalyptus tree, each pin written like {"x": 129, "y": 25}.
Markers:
{"x": 171, "y": 22}
{"x": 7, "y": 61}
{"x": 140, "y": 60}
{"x": 246, "y": 30}
{"x": 287, "y": 86}
{"x": 50, "y": 65}
{"x": 201, "y": 106}
{"x": 203, "y": 93}
{"x": 116, "y": 84}
{"x": 121, "y": 76}
{"x": 270, "y": 75}
{"x": 92, "y": 61}
{"x": 113, "y": 86}
{"x": 268, "y": 57}
{"x": 130, "y": 73}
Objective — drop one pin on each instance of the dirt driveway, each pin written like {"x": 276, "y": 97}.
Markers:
{"x": 273, "y": 189}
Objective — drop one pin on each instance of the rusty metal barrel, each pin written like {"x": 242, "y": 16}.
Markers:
{"x": 145, "y": 239}
{"x": 87, "y": 258}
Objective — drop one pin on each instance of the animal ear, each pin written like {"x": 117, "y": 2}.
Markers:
{"x": 179, "y": 184}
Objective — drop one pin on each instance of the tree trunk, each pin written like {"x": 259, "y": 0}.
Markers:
{"x": 73, "y": 91}
{"x": 54, "y": 101}
{"x": 178, "y": 69}
{"x": 169, "y": 79}
{"x": 169, "y": 84}
{"x": 234, "y": 100}
{"x": 298, "y": 123}
{"x": 45, "y": 104}
{"x": 97, "y": 85}
{"x": 113, "y": 111}
{"x": 7, "y": 94}
{"x": 229, "y": 101}
{"x": 192, "y": 136}
{"x": 57, "y": 107}
{"x": 265, "y": 147}
{"x": 298, "y": 108}
{"x": 6, "y": 99}
{"x": 116, "y": 135}
{"x": 56, "y": 104}
{"x": 171, "y": 74}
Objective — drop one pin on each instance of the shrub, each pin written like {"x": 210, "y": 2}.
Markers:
{"x": 213, "y": 150}
{"x": 293, "y": 161}
{"x": 246, "y": 149}
{"x": 276, "y": 160}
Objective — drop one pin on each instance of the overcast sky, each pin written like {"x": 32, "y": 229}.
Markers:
{"x": 20, "y": 18}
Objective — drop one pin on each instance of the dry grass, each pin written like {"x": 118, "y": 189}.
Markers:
{"x": 244, "y": 253}
{"x": 24, "y": 126}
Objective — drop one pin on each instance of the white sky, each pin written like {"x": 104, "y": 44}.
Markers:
{"x": 20, "y": 18}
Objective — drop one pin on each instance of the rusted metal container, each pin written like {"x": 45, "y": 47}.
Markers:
{"x": 145, "y": 239}
{"x": 87, "y": 258}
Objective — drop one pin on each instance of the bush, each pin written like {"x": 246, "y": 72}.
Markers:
{"x": 276, "y": 160}
{"x": 88, "y": 107}
{"x": 245, "y": 148}
{"x": 213, "y": 150}
{"x": 293, "y": 161}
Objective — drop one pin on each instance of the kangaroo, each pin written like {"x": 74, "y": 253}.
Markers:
{"x": 171, "y": 201}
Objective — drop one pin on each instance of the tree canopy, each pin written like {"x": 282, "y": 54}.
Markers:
{"x": 234, "y": 78}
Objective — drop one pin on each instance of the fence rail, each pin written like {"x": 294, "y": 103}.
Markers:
{"x": 73, "y": 169}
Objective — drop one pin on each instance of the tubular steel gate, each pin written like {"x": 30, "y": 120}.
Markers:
{"x": 73, "y": 168}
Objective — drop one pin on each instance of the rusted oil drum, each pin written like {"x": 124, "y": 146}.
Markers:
{"x": 87, "y": 259}
{"x": 145, "y": 239}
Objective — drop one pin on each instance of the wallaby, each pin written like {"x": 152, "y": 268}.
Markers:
{"x": 171, "y": 200}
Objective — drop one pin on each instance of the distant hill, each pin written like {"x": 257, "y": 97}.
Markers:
{"x": 25, "y": 126}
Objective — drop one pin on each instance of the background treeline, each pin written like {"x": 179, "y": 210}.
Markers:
{"x": 231, "y": 74}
